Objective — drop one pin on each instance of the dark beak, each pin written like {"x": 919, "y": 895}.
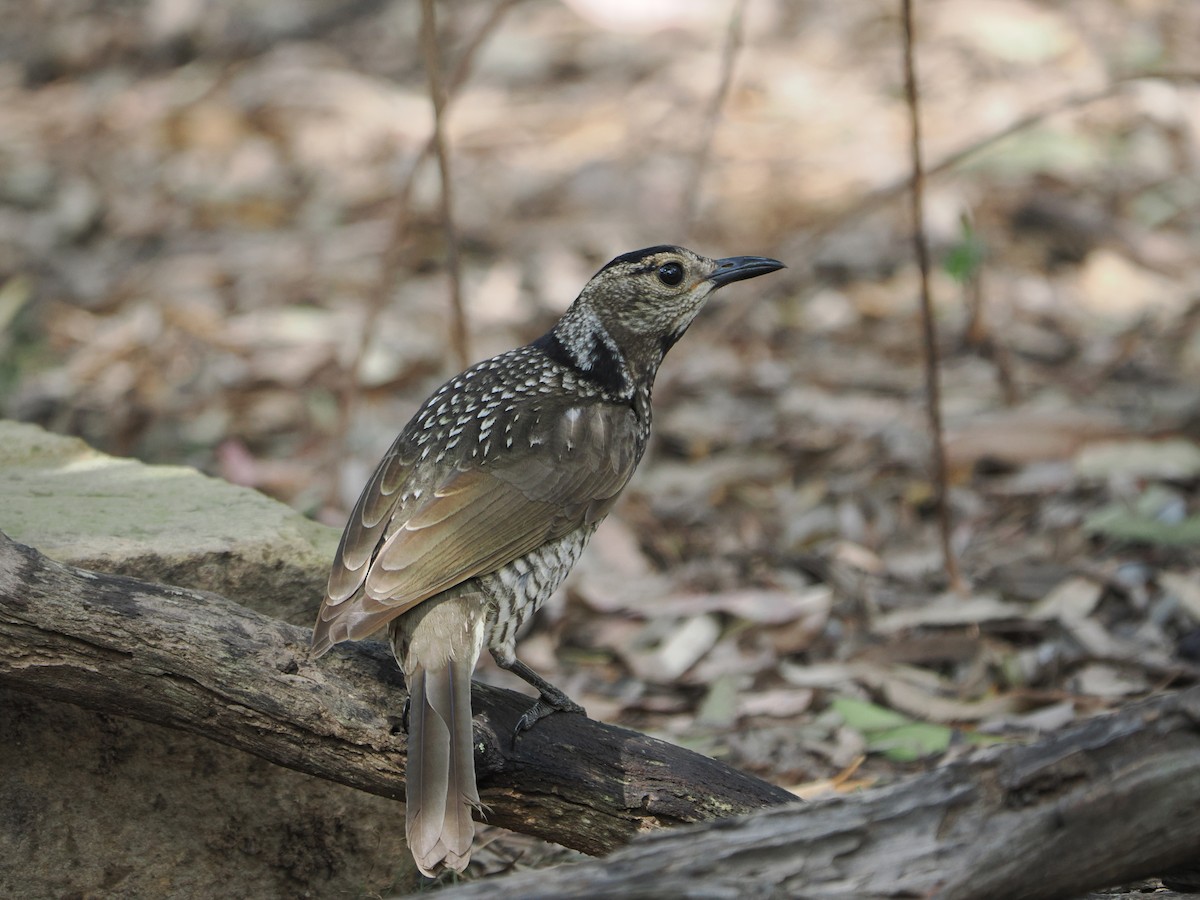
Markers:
{"x": 739, "y": 268}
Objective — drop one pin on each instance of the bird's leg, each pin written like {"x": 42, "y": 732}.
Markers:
{"x": 550, "y": 699}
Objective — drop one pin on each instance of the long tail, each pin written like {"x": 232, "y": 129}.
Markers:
{"x": 441, "y": 767}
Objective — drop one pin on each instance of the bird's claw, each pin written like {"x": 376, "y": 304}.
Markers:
{"x": 545, "y": 705}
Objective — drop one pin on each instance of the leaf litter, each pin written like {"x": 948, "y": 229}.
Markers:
{"x": 187, "y": 256}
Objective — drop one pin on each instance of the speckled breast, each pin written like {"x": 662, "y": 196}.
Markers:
{"x": 517, "y": 590}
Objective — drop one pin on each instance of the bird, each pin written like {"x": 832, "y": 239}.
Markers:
{"x": 484, "y": 502}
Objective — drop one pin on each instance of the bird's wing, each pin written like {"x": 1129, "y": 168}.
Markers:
{"x": 411, "y": 537}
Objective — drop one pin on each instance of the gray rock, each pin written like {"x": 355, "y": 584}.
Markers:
{"x": 98, "y": 805}
{"x": 169, "y": 524}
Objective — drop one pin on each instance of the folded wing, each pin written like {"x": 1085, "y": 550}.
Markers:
{"x": 404, "y": 544}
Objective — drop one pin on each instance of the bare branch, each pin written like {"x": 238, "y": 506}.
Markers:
{"x": 437, "y": 95}
{"x": 396, "y": 255}
{"x": 1077, "y": 100}
{"x": 929, "y": 334}
{"x": 729, "y": 53}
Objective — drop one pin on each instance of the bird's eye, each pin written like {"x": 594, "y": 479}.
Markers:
{"x": 670, "y": 273}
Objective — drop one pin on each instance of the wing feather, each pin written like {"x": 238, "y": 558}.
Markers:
{"x": 403, "y": 545}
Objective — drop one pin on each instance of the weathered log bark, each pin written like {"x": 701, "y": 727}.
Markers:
{"x": 1106, "y": 802}
{"x": 198, "y": 662}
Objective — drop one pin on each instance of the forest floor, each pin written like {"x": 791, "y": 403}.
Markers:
{"x": 199, "y": 211}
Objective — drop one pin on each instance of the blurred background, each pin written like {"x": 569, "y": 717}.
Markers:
{"x": 220, "y": 244}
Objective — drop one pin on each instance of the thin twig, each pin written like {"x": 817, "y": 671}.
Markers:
{"x": 437, "y": 95}
{"x": 1072, "y": 101}
{"x": 729, "y": 53}
{"x": 462, "y": 71}
{"x": 396, "y": 254}
{"x": 978, "y": 333}
{"x": 985, "y": 341}
{"x": 932, "y": 386}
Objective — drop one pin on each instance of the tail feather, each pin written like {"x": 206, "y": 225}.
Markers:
{"x": 441, "y": 789}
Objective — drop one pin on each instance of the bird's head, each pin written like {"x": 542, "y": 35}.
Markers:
{"x": 642, "y": 302}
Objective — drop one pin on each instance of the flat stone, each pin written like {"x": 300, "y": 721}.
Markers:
{"x": 168, "y": 524}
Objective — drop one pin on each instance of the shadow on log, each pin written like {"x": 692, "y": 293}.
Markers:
{"x": 196, "y": 661}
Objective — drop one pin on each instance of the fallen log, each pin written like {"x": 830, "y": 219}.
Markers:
{"x": 1109, "y": 801}
{"x": 196, "y": 661}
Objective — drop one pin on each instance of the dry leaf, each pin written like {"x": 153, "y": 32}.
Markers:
{"x": 949, "y": 610}
{"x": 1186, "y": 589}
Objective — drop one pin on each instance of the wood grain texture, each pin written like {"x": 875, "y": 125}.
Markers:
{"x": 198, "y": 662}
{"x": 1106, "y": 802}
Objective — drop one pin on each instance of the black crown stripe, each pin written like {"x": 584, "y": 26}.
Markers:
{"x": 634, "y": 256}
